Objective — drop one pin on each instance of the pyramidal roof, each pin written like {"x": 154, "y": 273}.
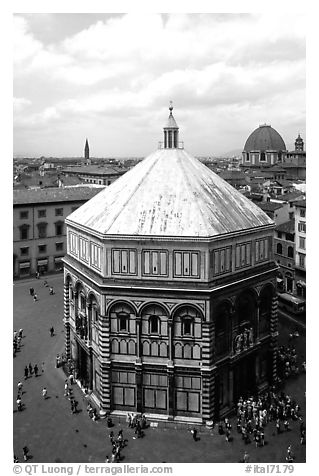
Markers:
{"x": 169, "y": 194}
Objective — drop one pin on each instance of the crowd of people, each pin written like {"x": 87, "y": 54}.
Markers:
{"x": 287, "y": 363}
{"x": 255, "y": 413}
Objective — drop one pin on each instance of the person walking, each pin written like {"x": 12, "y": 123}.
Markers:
{"x": 246, "y": 457}
{"x": 25, "y": 451}
{"x": 66, "y": 388}
{"x": 194, "y": 433}
{"x": 30, "y": 369}
{"x": 51, "y": 291}
{"x": 35, "y": 297}
{"x": 35, "y": 370}
{"x": 44, "y": 393}
{"x": 19, "y": 403}
{"x": 52, "y": 331}
{"x": 31, "y": 291}
{"x": 20, "y": 333}
{"x": 20, "y": 387}
{"x": 37, "y": 275}
{"x": 26, "y": 372}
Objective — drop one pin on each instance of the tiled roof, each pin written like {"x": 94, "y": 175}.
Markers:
{"x": 269, "y": 206}
{"x": 300, "y": 203}
{"x": 287, "y": 227}
{"x": 287, "y": 197}
{"x": 21, "y": 197}
{"x": 93, "y": 170}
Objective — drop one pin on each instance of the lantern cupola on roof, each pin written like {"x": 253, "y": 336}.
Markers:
{"x": 171, "y": 131}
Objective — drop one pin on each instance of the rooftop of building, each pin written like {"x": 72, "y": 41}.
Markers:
{"x": 264, "y": 138}
{"x": 23, "y": 197}
{"x": 288, "y": 197}
{"x": 94, "y": 169}
{"x": 287, "y": 227}
{"x": 269, "y": 206}
{"x": 300, "y": 203}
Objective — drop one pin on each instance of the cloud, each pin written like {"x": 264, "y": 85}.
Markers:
{"x": 128, "y": 67}
{"x": 19, "y": 104}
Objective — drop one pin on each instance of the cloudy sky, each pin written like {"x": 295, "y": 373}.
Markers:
{"x": 110, "y": 77}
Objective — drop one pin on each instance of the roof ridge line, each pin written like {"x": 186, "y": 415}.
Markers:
{"x": 189, "y": 188}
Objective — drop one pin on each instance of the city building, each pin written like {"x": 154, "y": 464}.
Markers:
{"x": 300, "y": 236}
{"x": 39, "y": 235}
{"x": 94, "y": 174}
{"x": 277, "y": 211}
{"x": 264, "y": 147}
{"x": 170, "y": 303}
{"x": 295, "y": 163}
{"x": 284, "y": 252}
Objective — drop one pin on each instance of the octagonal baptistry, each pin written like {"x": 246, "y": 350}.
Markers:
{"x": 170, "y": 303}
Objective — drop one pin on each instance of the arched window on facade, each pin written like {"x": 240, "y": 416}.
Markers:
{"x": 290, "y": 252}
{"x": 279, "y": 248}
{"x": 123, "y": 321}
{"x": 187, "y": 322}
{"x": 154, "y": 325}
{"x": 187, "y": 326}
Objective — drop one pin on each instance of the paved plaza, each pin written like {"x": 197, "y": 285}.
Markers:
{"x": 53, "y": 434}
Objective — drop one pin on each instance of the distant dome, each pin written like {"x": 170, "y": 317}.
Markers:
{"x": 264, "y": 138}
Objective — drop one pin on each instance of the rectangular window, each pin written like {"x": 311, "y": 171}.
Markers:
{"x": 116, "y": 261}
{"x": 42, "y": 213}
{"x": 248, "y": 253}
{"x": 155, "y": 262}
{"x": 59, "y": 246}
{"x": 96, "y": 256}
{"x": 222, "y": 260}
{"x": 84, "y": 249}
{"x": 302, "y": 226}
{"x": 24, "y": 215}
{"x": 24, "y": 232}
{"x": 237, "y": 256}
{"x": 216, "y": 262}
{"x": 132, "y": 263}
{"x": 178, "y": 264}
{"x": 146, "y": 255}
{"x": 279, "y": 234}
{"x": 59, "y": 212}
{"x": 24, "y": 251}
{"x": 59, "y": 229}
{"x": 262, "y": 250}
{"x": 163, "y": 261}
{"x": 303, "y": 212}
{"x": 181, "y": 401}
{"x": 243, "y": 255}
{"x": 42, "y": 248}
{"x": 42, "y": 230}
{"x": 73, "y": 243}
{"x": 302, "y": 260}
{"x": 186, "y": 263}
{"x": 123, "y": 261}
{"x": 302, "y": 243}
